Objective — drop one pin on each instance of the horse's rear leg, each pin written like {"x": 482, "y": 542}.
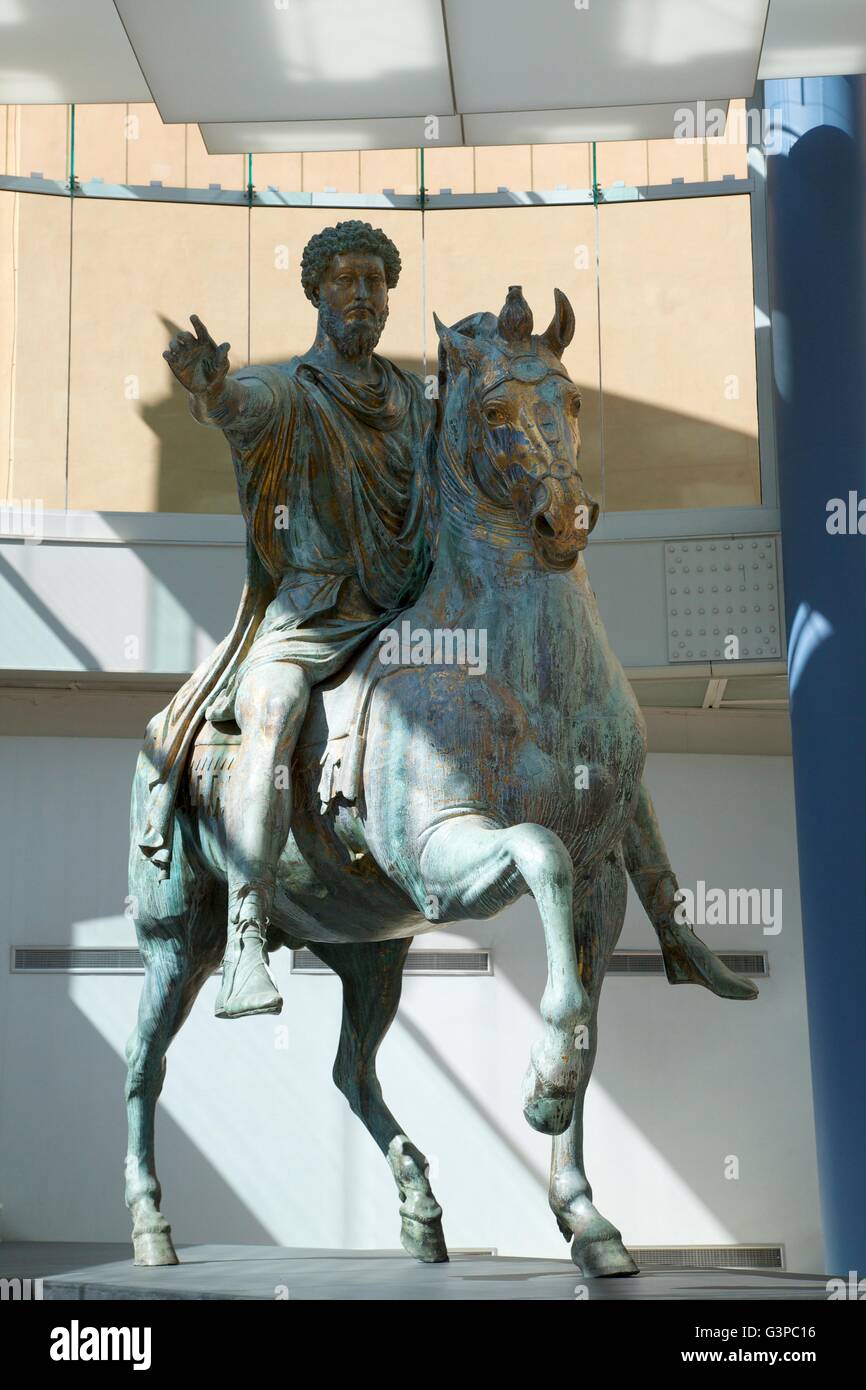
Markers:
{"x": 372, "y": 976}
{"x": 181, "y": 934}
{"x": 596, "y": 1244}
{"x": 166, "y": 996}
{"x": 472, "y": 866}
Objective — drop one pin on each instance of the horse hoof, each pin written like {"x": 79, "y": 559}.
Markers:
{"x": 423, "y": 1240}
{"x": 154, "y": 1248}
{"x": 603, "y": 1259}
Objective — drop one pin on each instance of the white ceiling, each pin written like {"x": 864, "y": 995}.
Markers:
{"x": 348, "y": 74}
{"x": 520, "y": 56}
{"x": 814, "y": 38}
{"x": 492, "y": 128}
{"x": 656, "y": 122}
{"x": 253, "y": 60}
{"x": 275, "y": 137}
{"x": 59, "y": 51}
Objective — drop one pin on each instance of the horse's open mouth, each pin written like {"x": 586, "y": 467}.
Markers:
{"x": 556, "y": 552}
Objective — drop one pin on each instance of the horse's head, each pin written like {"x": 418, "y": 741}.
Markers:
{"x": 508, "y": 429}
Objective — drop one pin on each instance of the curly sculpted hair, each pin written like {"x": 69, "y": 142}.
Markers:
{"x": 338, "y": 241}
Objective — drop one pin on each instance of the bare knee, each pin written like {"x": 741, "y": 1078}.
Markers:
{"x": 273, "y": 700}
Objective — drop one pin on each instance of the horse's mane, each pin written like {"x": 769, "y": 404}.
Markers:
{"x": 480, "y": 325}
{"x": 428, "y": 480}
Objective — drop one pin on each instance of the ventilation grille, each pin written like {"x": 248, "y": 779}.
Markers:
{"x": 71, "y": 960}
{"x": 126, "y": 960}
{"x": 417, "y": 963}
{"x": 753, "y": 963}
{"x": 708, "y": 1256}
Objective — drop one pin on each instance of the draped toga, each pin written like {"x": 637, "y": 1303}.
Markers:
{"x": 329, "y": 481}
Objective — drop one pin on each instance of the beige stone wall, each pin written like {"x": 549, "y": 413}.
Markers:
{"x": 678, "y": 354}
{"x": 34, "y": 345}
{"x": 129, "y": 144}
{"x": 138, "y": 271}
{"x": 35, "y": 139}
{"x": 474, "y": 254}
{"x": 91, "y": 292}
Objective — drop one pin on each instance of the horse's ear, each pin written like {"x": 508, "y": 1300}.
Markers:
{"x": 515, "y": 317}
{"x": 460, "y": 350}
{"x": 560, "y": 331}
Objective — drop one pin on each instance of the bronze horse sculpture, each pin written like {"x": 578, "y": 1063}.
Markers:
{"x": 523, "y": 777}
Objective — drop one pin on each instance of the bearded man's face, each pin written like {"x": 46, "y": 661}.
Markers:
{"x": 353, "y": 302}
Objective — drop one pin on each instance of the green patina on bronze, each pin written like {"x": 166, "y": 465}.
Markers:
{"x": 423, "y": 792}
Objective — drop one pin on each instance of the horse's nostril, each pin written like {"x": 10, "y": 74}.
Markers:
{"x": 544, "y": 528}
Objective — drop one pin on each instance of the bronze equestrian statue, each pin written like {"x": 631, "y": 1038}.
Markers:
{"x": 304, "y": 791}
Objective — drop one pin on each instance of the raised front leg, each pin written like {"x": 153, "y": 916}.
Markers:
{"x": 372, "y": 976}
{"x": 473, "y": 867}
{"x": 688, "y": 959}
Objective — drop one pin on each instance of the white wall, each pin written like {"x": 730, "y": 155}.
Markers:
{"x": 160, "y": 606}
{"x": 254, "y": 1142}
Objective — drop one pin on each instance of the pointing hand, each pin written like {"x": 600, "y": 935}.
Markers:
{"x": 196, "y": 360}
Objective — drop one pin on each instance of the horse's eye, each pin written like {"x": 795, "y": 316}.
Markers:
{"x": 575, "y": 405}
{"x": 494, "y": 416}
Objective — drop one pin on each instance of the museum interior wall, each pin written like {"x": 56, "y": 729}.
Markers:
{"x": 684, "y": 1082}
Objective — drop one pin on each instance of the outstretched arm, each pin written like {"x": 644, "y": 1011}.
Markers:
{"x": 215, "y": 398}
{"x": 688, "y": 959}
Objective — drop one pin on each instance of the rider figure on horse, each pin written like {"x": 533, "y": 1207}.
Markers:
{"x": 324, "y": 449}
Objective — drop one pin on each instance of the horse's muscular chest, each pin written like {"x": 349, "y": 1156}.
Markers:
{"x": 586, "y": 765}
{"x": 580, "y": 710}
{"x": 549, "y": 732}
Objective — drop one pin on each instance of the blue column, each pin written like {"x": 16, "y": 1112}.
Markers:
{"x": 816, "y": 189}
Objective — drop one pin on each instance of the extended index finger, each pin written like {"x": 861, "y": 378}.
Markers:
{"x": 200, "y": 331}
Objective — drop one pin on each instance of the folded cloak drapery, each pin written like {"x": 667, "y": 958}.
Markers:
{"x": 341, "y": 462}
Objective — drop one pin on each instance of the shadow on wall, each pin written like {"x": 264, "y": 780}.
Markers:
{"x": 194, "y": 470}
{"x": 653, "y": 457}
{"x": 230, "y": 1161}
{"x": 79, "y": 651}
{"x": 91, "y": 1103}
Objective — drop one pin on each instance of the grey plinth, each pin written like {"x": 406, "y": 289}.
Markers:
{"x": 262, "y": 1272}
